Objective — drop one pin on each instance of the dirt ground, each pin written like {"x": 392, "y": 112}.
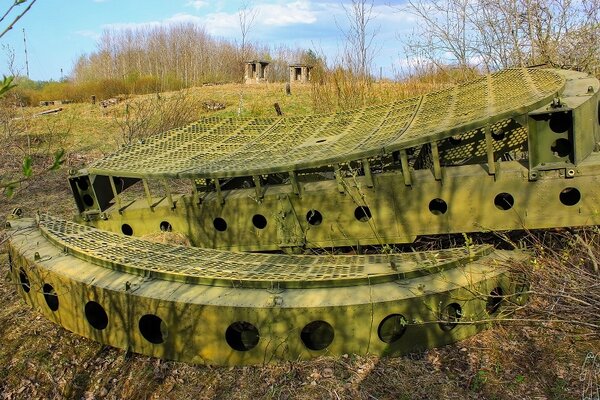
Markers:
{"x": 40, "y": 360}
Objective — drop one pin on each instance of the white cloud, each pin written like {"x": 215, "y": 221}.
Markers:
{"x": 89, "y": 34}
{"x": 298, "y": 12}
{"x": 197, "y": 4}
{"x": 183, "y": 18}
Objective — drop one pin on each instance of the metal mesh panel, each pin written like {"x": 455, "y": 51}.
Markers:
{"x": 215, "y": 267}
{"x": 225, "y": 147}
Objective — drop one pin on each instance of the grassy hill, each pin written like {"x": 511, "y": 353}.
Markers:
{"x": 41, "y": 360}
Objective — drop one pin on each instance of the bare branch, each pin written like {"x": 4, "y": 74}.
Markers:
{"x": 17, "y": 18}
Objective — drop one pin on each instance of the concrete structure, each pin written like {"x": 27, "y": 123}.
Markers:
{"x": 256, "y": 71}
{"x": 300, "y": 73}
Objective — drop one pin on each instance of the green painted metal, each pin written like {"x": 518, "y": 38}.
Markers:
{"x": 513, "y": 150}
{"x": 231, "y": 317}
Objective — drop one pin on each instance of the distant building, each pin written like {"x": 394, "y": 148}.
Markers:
{"x": 300, "y": 73}
{"x": 256, "y": 71}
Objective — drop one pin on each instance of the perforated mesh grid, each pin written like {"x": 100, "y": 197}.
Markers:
{"x": 215, "y": 267}
{"x": 225, "y": 147}
{"x": 509, "y": 141}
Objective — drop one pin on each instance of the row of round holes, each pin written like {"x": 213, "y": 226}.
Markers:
{"x": 503, "y": 201}
{"x": 244, "y": 336}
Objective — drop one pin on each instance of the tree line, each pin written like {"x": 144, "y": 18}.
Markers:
{"x": 176, "y": 56}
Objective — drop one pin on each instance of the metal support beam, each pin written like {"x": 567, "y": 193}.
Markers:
{"x": 435, "y": 157}
{"x": 220, "y": 198}
{"x": 294, "y": 182}
{"x": 368, "y": 175}
{"x": 148, "y": 194}
{"x": 258, "y": 187}
{"x": 405, "y": 168}
{"x": 489, "y": 147}
{"x": 115, "y": 193}
{"x": 337, "y": 170}
{"x": 168, "y": 194}
{"x": 195, "y": 194}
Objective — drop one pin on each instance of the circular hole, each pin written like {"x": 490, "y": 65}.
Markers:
{"x": 314, "y": 217}
{"x": 127, "y": 229}
{"x": 50, "y": 296}
{"x": 24, "y": 279}
{"x": 362, "y": 213}
{"x": 82, "y": 184}
{"x": 317, "y": 335}
{"x": 504, "y": 201}
{"x": 259, "y": 221}
{"x": 220, "y": 224}
{"x": 560, "y": 122}
{"x": 494, "y": 300}
{"x": 570, "y": 196}
{"x": 242, "y": 336}
{"x": 392, "y": 328}
{"x": 561, "y": 147}
{"x": 96, "y": 315}
{"x": 153, "y": 329}
{"x": 88, "y": 200}
{"x": 165, "y": 226}
{"x": 498, "y": 134}
{"x": 450, "y": 316}
{"x": 438, "y": 206}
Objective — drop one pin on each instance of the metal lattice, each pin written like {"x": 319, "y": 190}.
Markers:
{"x": 226, "y": 147}
{"x": 223, "y": 268}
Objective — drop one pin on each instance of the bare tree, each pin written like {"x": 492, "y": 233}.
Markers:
{"x": 359, "y": 36}
{"x": 246, "y": 16}
{"x": 491, "y": 35}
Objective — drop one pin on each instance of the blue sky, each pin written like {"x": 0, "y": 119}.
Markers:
{"x": 59, "y": 31}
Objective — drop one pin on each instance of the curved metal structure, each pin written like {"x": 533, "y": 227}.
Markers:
{"x": 231, "y": 147}
{"x": 215, "y": 307}
{"x": 513, "y": 150}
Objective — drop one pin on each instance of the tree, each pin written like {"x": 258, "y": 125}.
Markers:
{"x": 246, "y": 17}
{"x": 359, "y": 36}
{"x": 492, "y": 35}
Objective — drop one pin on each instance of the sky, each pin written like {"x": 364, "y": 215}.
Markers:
{"x": 59, "y": 31}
